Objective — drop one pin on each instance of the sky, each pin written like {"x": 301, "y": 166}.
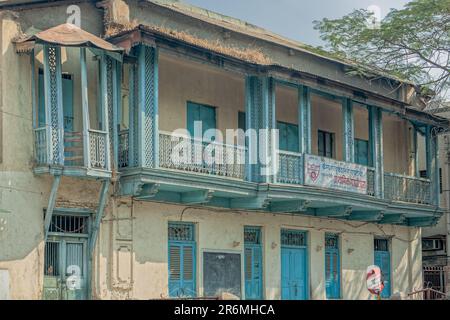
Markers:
{"x": 292, "y": 18}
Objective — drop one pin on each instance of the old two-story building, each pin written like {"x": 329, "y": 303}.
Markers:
{"x": 98, "y": 200}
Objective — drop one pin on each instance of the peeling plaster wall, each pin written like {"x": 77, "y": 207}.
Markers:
{"x": 142, "y": 273}
{"x": 23, "y": 195}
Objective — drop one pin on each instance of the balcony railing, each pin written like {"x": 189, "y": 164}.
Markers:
{"x": 231, "y": 164}
{"x": 188, "y": 154}
{"x": 40, "y": 145}
{"x": 97, "y": 149}
{"x": 408, "y": 189}
{"x": 290, "y": 167}
{"x": 73, "y": 148}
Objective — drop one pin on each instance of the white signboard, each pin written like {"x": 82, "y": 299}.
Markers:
{"x": 329, "y": 173}
{"x": 374, "y": 282}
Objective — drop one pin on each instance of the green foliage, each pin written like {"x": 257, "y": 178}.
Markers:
{"x": 412, "y": 43}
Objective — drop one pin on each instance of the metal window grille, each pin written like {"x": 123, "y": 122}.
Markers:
{"x": 181, "y": 231}
{"x": 331, "y": 241}
{"x": 51, "y": 265}
{"x": 69, "y": 224}
{"x": 293, "y": 238}
{"x": 381, "y": 244}
{"x": 252, "y": 235}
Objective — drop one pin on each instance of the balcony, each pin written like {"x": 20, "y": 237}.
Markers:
{"x": 229, "y": 162}
{"x": 396, "y": 187}
{"x": 72, "y": 154}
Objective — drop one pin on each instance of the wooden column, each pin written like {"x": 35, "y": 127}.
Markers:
{"x": 348, "y": 129}
{"x": 85, "y": 108}
{"x": 376, "y": 148}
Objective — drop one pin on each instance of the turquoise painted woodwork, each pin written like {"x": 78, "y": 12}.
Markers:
{"x": 53, "y": 98}
{"x": 362, "y": 152}
{"x": 432, "y": 159}
{"x": 133, "y": 115}
{"x": 294, "y": 270}
{"x": 376, "y": 148}
{"x": 348, "y": 130}
{"x": 41, "y": 100}
{"x": 383, "y": 260}
{"x": 304, "y": 115}
{"x": 182, "y": 260}
{"x": 260, "y": 114}
{"x": 200, "y": 114}
{"x": 147, "y": 102}
{"x": 332, "y": 267}
{"x": 288, "y": 136}
{"x": 253, "y": 263}
{"x": 85, "y": 106}
{"x": 33, "y": 89}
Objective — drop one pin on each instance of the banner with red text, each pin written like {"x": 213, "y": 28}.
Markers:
{"x": 329, "y": 173}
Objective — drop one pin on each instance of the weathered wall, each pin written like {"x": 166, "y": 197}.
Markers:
{"x": 183, "y": 80}
{"x": 142, "y": 228}
{"x": 23, "y": 195}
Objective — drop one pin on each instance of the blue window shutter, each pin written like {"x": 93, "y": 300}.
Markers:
{"x": 253, "y": 263}
{"x": 182, "y": 260}
{"x": 198, "y": 112}
{"x": 292, "y": 134}
{"x": 288, "y": 136}
{"x": 362, "y": 152}
{"x": 332, "y": 267}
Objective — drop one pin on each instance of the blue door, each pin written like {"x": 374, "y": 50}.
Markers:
{"x": 383, "y": 260}
{"x": 332, "y": 266}
{"x": 294, "y": 271}
{"x": 253, "y": 263}
{"x": 182, "y": 260}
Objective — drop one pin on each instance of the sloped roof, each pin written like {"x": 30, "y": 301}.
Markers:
{"x": 69, "y": 35}
{"x": 252, "y": 30}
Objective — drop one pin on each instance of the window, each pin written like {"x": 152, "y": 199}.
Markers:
{"x": 253, "y": 263}
{"x": 332, "y": 266}
{"x": 67, "y": 89}
{"x": 383, "y": 260}
{"x": 432, "y": 244}
{"x": 288, "y": 136}
{"x": 200, "y": 113}
{"x": 182, "y": 260}
{"x": 241, "y": 121}
{"x": 325, "y": 144}
{"x": 362, "y": 152}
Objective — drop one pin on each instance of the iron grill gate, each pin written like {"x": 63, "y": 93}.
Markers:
{"x": 65, "y": 260}
{"x": 383, "y": 260}
{"x": 253, "y": 263}
{"x": 332, "y": 266}
{"x": 182, "y": 260}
